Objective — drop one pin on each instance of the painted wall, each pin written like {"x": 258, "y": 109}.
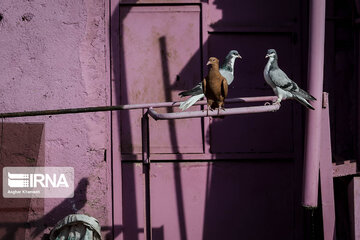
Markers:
{"x": 52, "y": 56}
{"x": 242, "y": 178}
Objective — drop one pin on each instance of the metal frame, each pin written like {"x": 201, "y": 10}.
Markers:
{"x": 127, "y": 107}
{"x": 324, "y": 158}
{"x": 148, "y": 109}
{"x": 185, "y": 115}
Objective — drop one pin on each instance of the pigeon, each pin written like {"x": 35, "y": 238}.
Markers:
{"x": 282, "y": 85}
{"x": 215, "y": 86}
{"x": 226, "y": 70}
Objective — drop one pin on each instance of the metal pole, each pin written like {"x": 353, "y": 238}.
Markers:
{"x": 326, "y": 176}
{"x": 145, "y": 138}
{"x": 123, "y": 107}
{"x": 209, "y": 113}
{"x": 146, "y": 171}
{"x": 313, "y": 125}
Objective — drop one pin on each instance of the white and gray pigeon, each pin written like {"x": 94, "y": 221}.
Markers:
{"x": 196, "y": 93}
{"x": 282, "y": 85}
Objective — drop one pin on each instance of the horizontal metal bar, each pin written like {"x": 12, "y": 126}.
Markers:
{"x": 60, "y": 111}
{"x": 205, "y": 113}
{"x": 253, "y": 30}
{"x": 122, "y": 107}
{"x": 250, "y": 99}
{"x": 213, "y": 156}
{"x": 203, "y": 102}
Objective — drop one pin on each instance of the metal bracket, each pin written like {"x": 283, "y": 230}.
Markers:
{"x": 325, "y": 100}
{"x": 145, "y": 138}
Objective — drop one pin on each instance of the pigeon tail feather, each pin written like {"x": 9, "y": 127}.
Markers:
{"x": 190, "y": 101}
{"x": 305, "y": 95}
{"x": 194, "y": 91}
{"x": 304, "y": 102}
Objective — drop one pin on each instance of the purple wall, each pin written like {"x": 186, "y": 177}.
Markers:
{"x": 239, "y": 177}
{"x": 53, "y": 56}
{"x": 250, "y": 173}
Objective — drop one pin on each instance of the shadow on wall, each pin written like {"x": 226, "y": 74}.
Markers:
{"x": 130, "y": 215}
{"x": 15, "y": 229}
{"x": 247, "y": 194}
{"x": 22, "y": 144}
{"x": 66, "y": 207}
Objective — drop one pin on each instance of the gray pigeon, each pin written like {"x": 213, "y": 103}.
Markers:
{"x": 226, "y": 70}
{"x": 282, "y": 85}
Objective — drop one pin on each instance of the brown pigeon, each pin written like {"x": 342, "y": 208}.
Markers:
{"x": 215, "y": 86}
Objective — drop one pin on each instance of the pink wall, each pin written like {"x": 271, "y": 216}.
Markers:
{"x": 250, "y": 170}
{"x": 53, "y": 55}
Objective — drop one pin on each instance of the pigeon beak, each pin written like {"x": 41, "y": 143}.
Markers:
{"x": 208, "y": 63}
{"x": 239, "y": 56}
{"x": 267, "y": 55}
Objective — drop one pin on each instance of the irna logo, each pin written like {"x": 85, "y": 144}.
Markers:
{"x": 19, "y": 180}
{"x": 38, "y": 182}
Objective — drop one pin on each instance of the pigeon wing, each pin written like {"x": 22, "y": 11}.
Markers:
{"x": 281, "y": 80}
{"x": 227, "y": 75}
{"x": 305, "y": 95}
{"x": 204, "y": 85}
{"x": 224, "y": 88}
{"x": 194, "y": 91}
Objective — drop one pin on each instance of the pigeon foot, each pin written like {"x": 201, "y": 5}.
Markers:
{"x": 207, "y": 110}
{"x": 276, "y": 103}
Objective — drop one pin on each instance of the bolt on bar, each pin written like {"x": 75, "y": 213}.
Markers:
{"x": 123, "y": 107}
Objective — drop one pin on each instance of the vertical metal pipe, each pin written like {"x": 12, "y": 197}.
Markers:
{"x": 146, "y": 171}
{"x": 313, "y": 124}
{"x": 357, "y": 62}
{"x": 145, "y": 138}
{"x": 326, "y": 176}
